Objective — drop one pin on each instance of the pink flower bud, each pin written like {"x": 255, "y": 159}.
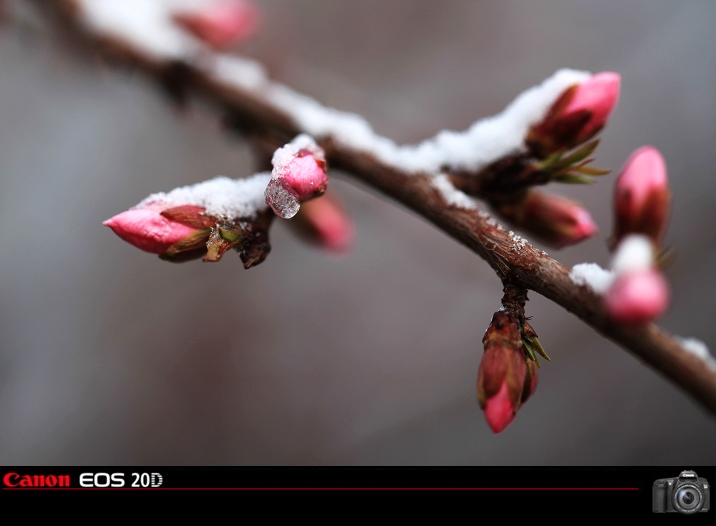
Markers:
{"x": 147, "y": 229}
{"x": 502, "y": 374}
{"x": 598, "y": 96}
{"x": 637, "y": 297}
{"x": 220, "y": 23}
{"x": 642, "y": 197}
{"x": 499, "y": 411}
{"x": 324, "y": 222}
{"x": 299, "y": 174}
{"x": 577, "y": 115}
{"x": 555, "y": 219}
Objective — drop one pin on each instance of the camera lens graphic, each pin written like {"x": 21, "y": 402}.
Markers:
{"x": 687, "y": 499}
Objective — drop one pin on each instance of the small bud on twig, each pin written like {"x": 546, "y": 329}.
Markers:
{"x": 299, "y": 174}
{"x": 502, "y": 374}
{"x": 149, "y": 229}
{"x": 325, "y": 223}
{"x": 577, "y": 115}
{"x": 555, "y": 219}
{"x": 642, "y": 197}
{"x": 640, "y": 293}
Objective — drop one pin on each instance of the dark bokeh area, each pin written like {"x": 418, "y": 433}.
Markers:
{"x": 110, "y": 356}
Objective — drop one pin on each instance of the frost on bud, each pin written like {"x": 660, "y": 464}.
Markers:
{"x": 325, "y": 223}
{"x": 156, "y": 228}
{"x": 639, "y": 293}
{"x": 299, "y": 174}
{"x": 503, "y": 371}
{"x": 642, "y": 197}
{"x": 219, "y": 23}
{"x": 557, "y": 220}
{"x": 576, "y": 116}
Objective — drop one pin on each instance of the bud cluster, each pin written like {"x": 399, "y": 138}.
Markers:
{"x": 639, "y": 293}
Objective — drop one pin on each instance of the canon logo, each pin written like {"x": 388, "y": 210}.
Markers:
{"x": 15, "y": 480}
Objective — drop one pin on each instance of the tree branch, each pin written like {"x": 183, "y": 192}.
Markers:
{"x": 262, "y": 114}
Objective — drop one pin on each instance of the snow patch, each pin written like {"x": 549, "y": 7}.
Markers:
{"x": 145, "y": 24}
{"x": 699, "y": 349}
{"x": 222, "y": 197}
{"x": 634, "y": 254}
{"x": 452, "y": 195}
{"x": 593, "y": 276}
{"x": 484, "y": 142}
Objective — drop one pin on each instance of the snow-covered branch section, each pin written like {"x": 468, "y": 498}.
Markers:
{"x": 635, "y": 292}
{"x": 496, "y": 158}
{"x": 151, "y": 25}
{"x": 209, "y": 218}
{"x": 204, "y": 220}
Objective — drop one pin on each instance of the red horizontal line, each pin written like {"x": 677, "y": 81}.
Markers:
{"x": 322, "y": 489}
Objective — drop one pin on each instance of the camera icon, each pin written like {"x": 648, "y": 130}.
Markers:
{"x": 688, "y": 493}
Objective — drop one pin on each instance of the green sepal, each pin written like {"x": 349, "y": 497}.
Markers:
{"x": 574, "y": 158}
{"x": 536, "y": 346}
{"x": 572, "y": 178}
{"x": 590, "y": 170}
{"x": 529, "y": 352}
{"x": 232, "y": 236}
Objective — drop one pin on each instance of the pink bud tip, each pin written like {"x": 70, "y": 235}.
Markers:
{"x": 642, "y": 197}
{"x": 147, "y": 229}
{"x": 644, "y": 172}
{"x": 556, "y": 219}
{"x": 328, "y": 224}
{"x": 299, "y": 174}
{"x": 499, "y": 411}
{"x": 598, "y": 95}
{"x": 220, "y": 23}
{"x": 584, "y": 226}
{"x": 306, "y": 176}
{"x": 637, "y": 297}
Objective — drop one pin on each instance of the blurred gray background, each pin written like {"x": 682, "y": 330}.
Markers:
{"x": 110, "y": 356}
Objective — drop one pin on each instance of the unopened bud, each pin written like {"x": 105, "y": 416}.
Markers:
{"x": 557, "y": 220}
{"x": 639, "y": 293}
{"x": 154, "y": 229}
{"x": 576, "y": 116}
{"x": 642, "y": 197}
{"x": 220, "y": 23}
{"x": 325, "y": 223}
{"x": 502, "y": 374}
{"x": 299, "y": 174}
{"x": 637, "y": 298}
